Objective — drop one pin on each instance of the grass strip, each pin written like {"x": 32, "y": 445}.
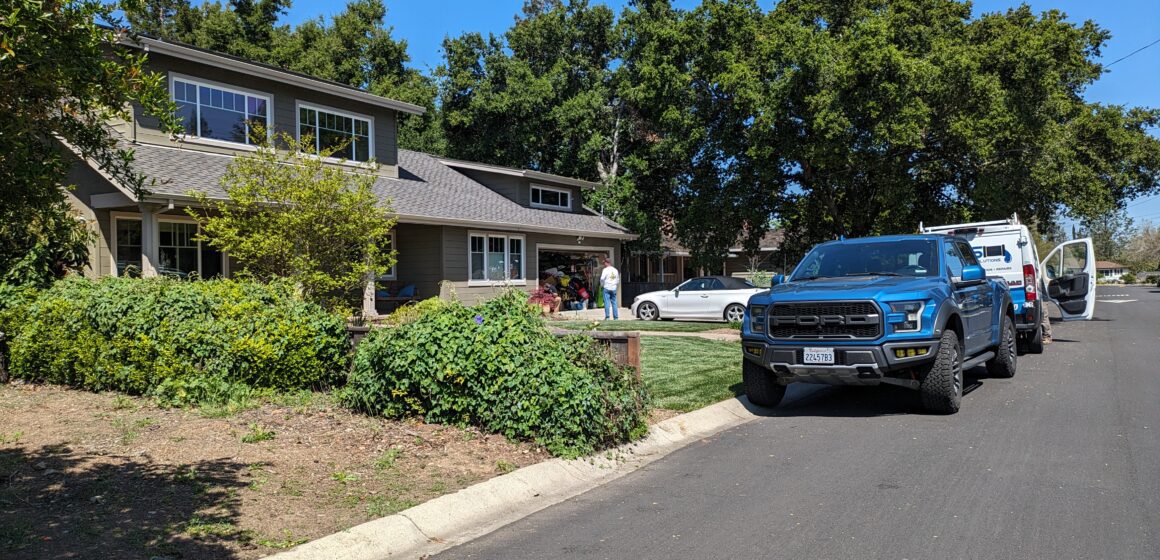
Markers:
{"x": 687, "y": 373}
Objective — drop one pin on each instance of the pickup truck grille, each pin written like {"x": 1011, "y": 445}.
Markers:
{"x": 825, "y": 320}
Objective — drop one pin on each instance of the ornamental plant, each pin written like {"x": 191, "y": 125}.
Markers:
{"x": 292, "y": 215}
{"x": 498, "y": 367}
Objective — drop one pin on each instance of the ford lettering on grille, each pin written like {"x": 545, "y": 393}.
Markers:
{"x": 825, "y": 320}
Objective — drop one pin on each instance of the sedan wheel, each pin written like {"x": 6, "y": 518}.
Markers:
{"x": 735, "y": 313}
{"x": 648, "y": 311}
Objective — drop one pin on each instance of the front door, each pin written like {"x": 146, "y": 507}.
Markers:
{"x": 1070, "y": 271}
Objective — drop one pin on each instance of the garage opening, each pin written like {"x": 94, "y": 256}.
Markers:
{"x": 574, "y": 273}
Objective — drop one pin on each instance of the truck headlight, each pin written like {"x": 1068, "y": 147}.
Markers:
{"x": 757, "y": 318}
{"x": 906, "y": 316}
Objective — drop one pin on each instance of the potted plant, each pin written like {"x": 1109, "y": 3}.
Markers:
{"x": 543, "y": 298}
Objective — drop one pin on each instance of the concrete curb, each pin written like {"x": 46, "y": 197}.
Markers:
{"x": 453, "y": 519}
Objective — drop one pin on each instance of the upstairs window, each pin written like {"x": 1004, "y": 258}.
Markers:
{"x": 554, "y": 199}
{"x": 218, "y": 113}
{"x": 349, "y": 135}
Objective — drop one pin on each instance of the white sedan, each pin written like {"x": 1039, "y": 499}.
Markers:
{"x": 714, "y": 298}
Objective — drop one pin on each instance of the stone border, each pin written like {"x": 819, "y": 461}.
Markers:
{"x": 453, "y": 519}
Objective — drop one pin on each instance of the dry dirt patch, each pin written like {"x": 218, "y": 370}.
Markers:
{"x": 85, "y": 475}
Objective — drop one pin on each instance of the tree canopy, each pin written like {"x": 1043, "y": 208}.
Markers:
{"x": 854, "y": 117}
{"x": 59, "y": 84}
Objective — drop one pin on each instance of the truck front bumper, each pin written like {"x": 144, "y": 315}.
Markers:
{"x": 853, "y": 365}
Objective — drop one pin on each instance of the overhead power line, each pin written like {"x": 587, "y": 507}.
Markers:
{"x": 1132, "y": 53}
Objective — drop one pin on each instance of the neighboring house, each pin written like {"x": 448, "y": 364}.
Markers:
{"x": 477, "y": 227}
{"x": 649, "y": 272}
{"x": 1110, "y": 271}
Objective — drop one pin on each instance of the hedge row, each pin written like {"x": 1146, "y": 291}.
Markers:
{"x": 175, "y": 339}
{"x": 498, "y": 367}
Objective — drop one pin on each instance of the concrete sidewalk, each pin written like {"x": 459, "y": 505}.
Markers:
{"x": 593, "y": 314}
{"x": 475, "y": 511}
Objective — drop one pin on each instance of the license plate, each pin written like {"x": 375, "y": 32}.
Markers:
{"x": 819, "y": 356}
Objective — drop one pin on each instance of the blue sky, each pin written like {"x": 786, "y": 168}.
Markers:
{"x": 1133, "y": 24}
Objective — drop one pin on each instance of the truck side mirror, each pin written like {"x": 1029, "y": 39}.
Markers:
{"x": 973, "y": 273}
{"x": 777, "y": 279}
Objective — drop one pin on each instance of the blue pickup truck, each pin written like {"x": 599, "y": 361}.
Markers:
{"x": 908, "y": 310}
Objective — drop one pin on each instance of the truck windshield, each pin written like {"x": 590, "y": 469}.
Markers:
{"x": 910, "y": 257}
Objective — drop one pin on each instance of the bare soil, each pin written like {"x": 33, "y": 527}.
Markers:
{"x": 86, "y": 475}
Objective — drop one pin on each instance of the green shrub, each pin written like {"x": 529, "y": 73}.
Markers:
{"x": 1152, "y": 279}
{"x": 498, "y": 367}
{"x": 1128, "y": 278}
{"x": 183, "y": 341}
{"x": 13, "y": 303}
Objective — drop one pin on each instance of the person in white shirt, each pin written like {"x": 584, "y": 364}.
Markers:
{"x": 610, "y": 281}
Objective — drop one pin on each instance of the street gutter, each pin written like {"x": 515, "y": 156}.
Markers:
{"x": 454, "y": 519}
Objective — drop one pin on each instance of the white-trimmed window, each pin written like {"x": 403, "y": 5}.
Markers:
{"x": 548, "y": 197}
{"x": 178, "y": 252}
{"x": 391, "y": 274}
{"x": 495, "y": 258}
{"x": 348, "y": 134}
{"x": 219, "y": 113}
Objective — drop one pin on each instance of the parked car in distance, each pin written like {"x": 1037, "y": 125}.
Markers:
{"x": 710, "y": 298}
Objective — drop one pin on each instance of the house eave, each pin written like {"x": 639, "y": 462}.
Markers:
{"x": 221, "y": 61}
{"x": 508, "y": 226}
{"x": 440, "y": 221}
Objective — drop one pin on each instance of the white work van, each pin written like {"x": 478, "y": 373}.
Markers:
{"x": 1066, "y": 277}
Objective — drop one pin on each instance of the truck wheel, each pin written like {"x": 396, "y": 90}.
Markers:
{"x": 942, "y": 387}
{"x": 1003, "y": 364}
{"x": 760, "y": 386}
{"x": 1034, "y": 343}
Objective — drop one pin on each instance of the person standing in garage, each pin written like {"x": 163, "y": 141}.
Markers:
{"x": 610, "y": 281}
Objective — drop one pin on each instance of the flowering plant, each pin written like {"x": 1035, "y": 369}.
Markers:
{"x": 540, "y": 296}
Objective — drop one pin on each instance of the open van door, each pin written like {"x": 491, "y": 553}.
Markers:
{"x": 1070, "y": 272}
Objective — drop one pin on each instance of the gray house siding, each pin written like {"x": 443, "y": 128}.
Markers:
{"x": 87, "y": 183}
{"x": 285, "y": 98}
{"x": 419, "y": 258}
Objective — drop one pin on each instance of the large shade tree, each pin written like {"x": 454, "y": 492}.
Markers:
{"x": 60, "y": 82}
{"x": 885, "y": 113}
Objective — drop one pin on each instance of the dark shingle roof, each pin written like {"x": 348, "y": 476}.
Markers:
{"x": 426, "y": 190}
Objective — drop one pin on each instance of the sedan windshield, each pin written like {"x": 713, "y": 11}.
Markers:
{"x": 910, "y": 257}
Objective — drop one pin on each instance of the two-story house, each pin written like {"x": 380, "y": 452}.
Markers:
{"x": 478, "y": 227}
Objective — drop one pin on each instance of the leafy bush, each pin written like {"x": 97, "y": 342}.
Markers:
{"x": 497, "y": 366}
{"x": 1129, "y": 278}
{"x": 181, "y": 341}
{"x": 13, "y": 303}
{"x": 1152, "y": 279}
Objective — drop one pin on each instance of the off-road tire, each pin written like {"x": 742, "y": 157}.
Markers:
{"x": 733, "y": 307}
{"x": 942, "y": 386}
{"x": 653, "y": 312}
{"x": 760, "y": 385}
{"x": 1004, "y": 362}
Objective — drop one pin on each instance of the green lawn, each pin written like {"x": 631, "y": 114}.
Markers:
{"x": 634, "y": 325}
{"x": 687, "y": 373}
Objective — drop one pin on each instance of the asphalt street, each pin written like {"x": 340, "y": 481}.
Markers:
{"x": 1060, "y": 462}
